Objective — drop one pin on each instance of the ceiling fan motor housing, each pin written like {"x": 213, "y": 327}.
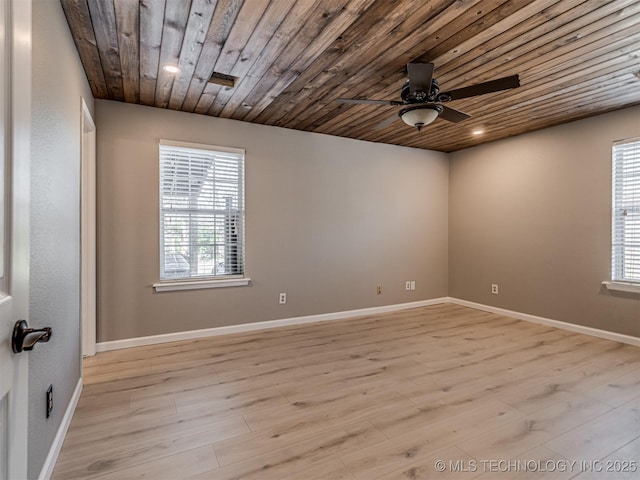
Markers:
{"x": 420, "y": 96}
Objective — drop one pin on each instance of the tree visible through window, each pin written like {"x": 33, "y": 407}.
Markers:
{"x": 626, "y": 211}
{"x": 201, "y": 211}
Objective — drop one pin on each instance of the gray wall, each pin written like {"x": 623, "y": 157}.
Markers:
{"x": 58, "y": 83}
{"x": 532, "y": 214}
{"x": 326, "y": 220}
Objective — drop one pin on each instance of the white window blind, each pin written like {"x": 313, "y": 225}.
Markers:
{"x": 626, "y": 211}
{"x": 201, "y": 211}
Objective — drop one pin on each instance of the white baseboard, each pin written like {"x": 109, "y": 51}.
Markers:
{"x": 594, "y": 332}
{"x": 56, "y": 446}
{"x": 249, "y": 327}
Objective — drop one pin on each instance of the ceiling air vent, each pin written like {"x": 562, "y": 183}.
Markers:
{"x": 223, "y": 79}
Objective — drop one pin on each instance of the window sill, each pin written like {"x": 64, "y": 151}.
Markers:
{"x": 201, "y": 284}
{"x": 622, "y": 287}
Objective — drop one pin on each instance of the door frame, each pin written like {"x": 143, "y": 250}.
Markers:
{"x": 87, "y": 231}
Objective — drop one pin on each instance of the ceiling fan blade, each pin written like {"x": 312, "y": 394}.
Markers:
{"x": 386, "y": 123}
{"x": 453, "y": 115}
{"x": 481, "y": 88}
{"x": 368, "y": 102}
{"x": 420, "y": 77}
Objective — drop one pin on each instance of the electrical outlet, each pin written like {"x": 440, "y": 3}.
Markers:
{"x": 49, "y": 400}
{"x": 283, "y": 299}
{"x": 413, "y": 284}
{"x": 379, "y": 290}
{"x": 407, "y": 285}
{"x": 494, "y": 288}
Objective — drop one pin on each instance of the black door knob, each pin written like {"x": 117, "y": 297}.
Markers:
{"x": 25, "y": 338}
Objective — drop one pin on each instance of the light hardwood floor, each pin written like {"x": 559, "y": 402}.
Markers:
{"x": 380, "y": 397}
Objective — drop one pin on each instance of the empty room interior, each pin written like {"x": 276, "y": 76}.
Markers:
{"x": 322, "y": 239}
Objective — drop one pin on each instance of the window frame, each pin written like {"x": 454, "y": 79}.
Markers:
{"x": 618, "y": 280}
{"x": 204, "y": 281}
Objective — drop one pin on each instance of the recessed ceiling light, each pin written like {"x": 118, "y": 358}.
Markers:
{"x": 171, "y": 69}
{"x": 478, "y": 131}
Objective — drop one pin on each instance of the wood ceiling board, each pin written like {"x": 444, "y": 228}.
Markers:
{"x": 104, "y": 26}
{"x": 393, "y": 93}
{"x": 79, "y": 20}
{"x": 279, "y": 55}
{"x": 329, "y": 121}
{"x": 576, "y": 58}
{"x": 417, "y": 30}
{"x": 520, "y": 121}
{"x": 590, "y": 77}
{"x": 324, "y": 40}
{"x": 579, "y": 106}
{"x": 194, "y": 38}
{"x": 263, "y": 49}
{"x": 294, "y": 58}
{"x": 127, "y": 26}
{"x": 369, "y": 28}
{"x": 151, "y": 22}
{"x": 243, "y": 28}
{"x": 224, "y": 18}
{"x": 176, "y": 18}
{"x": 543, "y": 42}
{"x": 337, "y": 74}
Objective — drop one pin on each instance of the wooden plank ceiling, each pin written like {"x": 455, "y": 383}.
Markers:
{"x": 293, "y": 58}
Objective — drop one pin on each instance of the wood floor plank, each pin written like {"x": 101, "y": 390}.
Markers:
{"x": 377, "y": 397}
{"x": 539, "y": 463}
{"x": 332, "y": 468}
{"x": 90, "y": 405}
{"x": 624, "y": 464}
{"x": 427, "y": 469}
{"x": 618, "y": 391}
{"x": 313, "y": 415}
{"x": 516, "y": 437}
{"x": 228, "y": 401}
{"x": 417, "y": 447}
{"x": 87, "y": 425}
{"x": 145, "y": 432}
{"x": 596, "y": 474}
{"x": 325, "y": 412}
{"x": 196, "y": 460}
{"x": 601, "y": 436}
{"x": 299, "y": 457}
{"x": 102, "y": 456}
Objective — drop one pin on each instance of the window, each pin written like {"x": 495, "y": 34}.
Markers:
{"x": 626, "y": 212}
{"x": 201, "y": 211}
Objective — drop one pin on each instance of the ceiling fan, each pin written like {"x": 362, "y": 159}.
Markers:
{"x": 421, "y": 97}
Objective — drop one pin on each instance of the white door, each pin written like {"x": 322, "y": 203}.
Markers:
{"x": 15, "y": 129}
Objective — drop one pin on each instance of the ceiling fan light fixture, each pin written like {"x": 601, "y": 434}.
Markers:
{"x": 419, "y": 116}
